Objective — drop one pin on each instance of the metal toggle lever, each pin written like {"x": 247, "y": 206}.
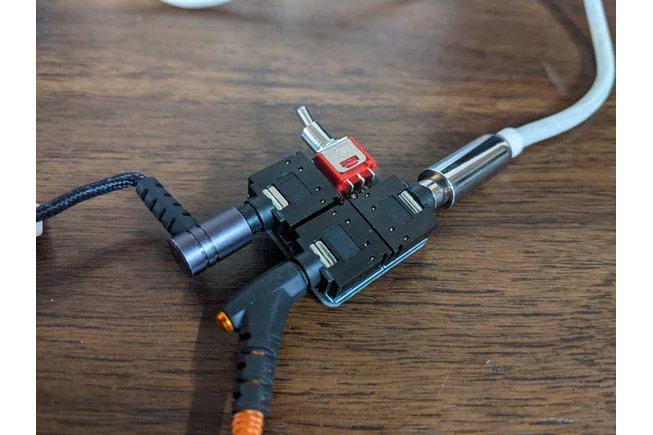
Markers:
{"x": 313, "y": 133}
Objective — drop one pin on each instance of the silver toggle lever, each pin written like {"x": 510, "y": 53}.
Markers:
{"x": 313, "y": 133}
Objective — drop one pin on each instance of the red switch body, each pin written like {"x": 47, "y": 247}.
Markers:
{"x": 347, "y": 165}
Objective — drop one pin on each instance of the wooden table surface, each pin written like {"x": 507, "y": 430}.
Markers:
{"x": 504, "y": 322}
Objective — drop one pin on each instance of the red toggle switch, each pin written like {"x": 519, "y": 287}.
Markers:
{"x": 343, "y": 161}
{"x": 347, "y": 165}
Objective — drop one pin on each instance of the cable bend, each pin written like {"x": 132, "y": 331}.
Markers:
{"x": 195, "y": 4}
{"x": 553, "y": 125}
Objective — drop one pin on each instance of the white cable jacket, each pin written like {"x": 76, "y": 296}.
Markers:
{"x": 553, "y": 125}
{"x": 195, "y": 4}
{"x": 574, "y": 115}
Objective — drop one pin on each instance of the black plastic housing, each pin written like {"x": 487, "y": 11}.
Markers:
{"x": 307, "y": 191}
{"x": 335, "y": 246}
{"x": 258, "y": 314}
{"x": 363, "y": 235}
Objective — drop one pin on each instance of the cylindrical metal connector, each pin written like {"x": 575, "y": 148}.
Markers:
{"x": 461, "y": 172}
{"x": 203, "y": 245}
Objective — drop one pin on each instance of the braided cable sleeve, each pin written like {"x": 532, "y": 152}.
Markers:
{"x": 88, "y": 191}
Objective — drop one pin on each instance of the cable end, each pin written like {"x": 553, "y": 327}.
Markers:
{"x": 39, "y": 224}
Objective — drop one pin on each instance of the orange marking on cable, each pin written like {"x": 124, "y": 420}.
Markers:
{"x": 247, "y": 422}
{"x": 224, "y": 322}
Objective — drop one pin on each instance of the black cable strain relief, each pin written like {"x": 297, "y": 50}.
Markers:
{"x": 311, "y": 266}
{"x": 423, "y": 195}
{"x": 258, "y": 314}
{"x": 263, "y": 208}
{"x": 253, "y": 386}
{"x": 250, "y": 215}
{"x": 172, "y": 215}
{"x": 259, "y": 340}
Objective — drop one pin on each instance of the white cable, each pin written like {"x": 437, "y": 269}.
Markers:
{"x": 574, "y": 115}
{"x": 39, "y": 225}
{"x": 553, "y": 125}
{"x": 195, "y": 4}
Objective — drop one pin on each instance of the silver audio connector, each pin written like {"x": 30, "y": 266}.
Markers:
{"x": 461, "y": 172}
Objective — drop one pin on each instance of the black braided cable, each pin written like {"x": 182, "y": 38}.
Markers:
{"x": 97, "y": 188}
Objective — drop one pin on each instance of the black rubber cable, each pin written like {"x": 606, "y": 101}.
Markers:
{"x": 170, "y": 213}
{"x": 88, "y": 191}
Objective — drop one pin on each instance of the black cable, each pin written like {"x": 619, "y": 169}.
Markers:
{"x": 172, "y": 215}
{"x": 88, "y": 191}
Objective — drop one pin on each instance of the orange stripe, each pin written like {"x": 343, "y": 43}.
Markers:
{"x": 247, "y": 422}
{"x": 224, "y": 322}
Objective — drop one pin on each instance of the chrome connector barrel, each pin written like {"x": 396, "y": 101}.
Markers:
{"x": 461, "y": 172}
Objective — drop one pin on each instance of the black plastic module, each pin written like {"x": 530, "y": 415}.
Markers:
{"x": 297, "y": 190}
{"x": 357, "y": 239}
{"x": 339, "y": 226}
{"x": 367, "y": 235}
{"x": 392, "y": 216}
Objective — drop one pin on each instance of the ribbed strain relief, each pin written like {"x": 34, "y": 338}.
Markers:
{"x": 172, "y": 215}
{"x": 247, "y": 422}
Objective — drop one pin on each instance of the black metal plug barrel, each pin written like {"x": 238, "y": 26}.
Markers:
{"x": 206, "y": 243}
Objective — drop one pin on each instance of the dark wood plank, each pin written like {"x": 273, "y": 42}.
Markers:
{"x": 505, "y": 321}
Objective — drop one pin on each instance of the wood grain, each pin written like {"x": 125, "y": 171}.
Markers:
{"x": 504, "y": 322}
